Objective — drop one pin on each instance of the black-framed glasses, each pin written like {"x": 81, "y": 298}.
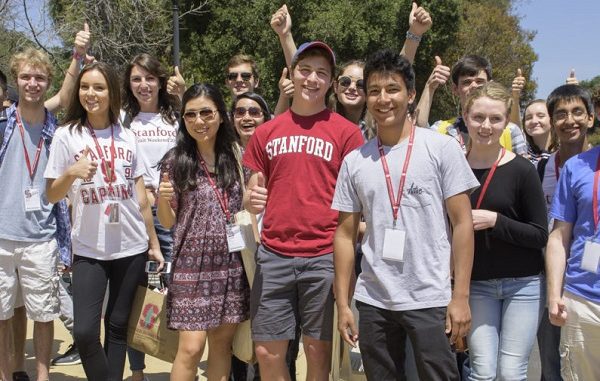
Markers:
{"x": 577, "y": 114}
{"x": 345, "y": 81}
{"x": 254, "y": 112}
{"x": 233, "y": 76}
{"x": 205, "y": 114}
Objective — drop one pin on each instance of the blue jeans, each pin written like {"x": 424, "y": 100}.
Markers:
{"x": 505, "y": 316}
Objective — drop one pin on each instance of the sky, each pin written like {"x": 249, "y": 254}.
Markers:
{"x": 568, "y": 36}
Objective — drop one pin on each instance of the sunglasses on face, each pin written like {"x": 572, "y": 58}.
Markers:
{"x": 254, "y": 112}
{"x": 346, "y": 81}
{"x": 233, "y": 76}
{"x": 205, "y": 114}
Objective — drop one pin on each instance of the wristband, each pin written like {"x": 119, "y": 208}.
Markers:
{"x": 411, "y": 36}
{"x": 76, "y": 56}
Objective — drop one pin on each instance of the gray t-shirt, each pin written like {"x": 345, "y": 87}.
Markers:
{"x": 16, "y": 224}
{"x": 437, "y": 170}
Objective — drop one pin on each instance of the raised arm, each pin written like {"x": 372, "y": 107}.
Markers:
{"x": 439, "y": 76}
{"x": 419, "y": 22}
{"x": 63, "y": 97}
{"x": 518, "y": 85}
{"x": 281, "y": 22}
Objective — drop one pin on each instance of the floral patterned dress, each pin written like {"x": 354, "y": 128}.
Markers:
{"x": 209, "y": 286}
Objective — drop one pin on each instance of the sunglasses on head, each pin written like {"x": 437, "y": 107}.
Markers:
{"x": 346, "y": 81}
{"x": 254, "y": 112}
{"x": 232, "y": 76}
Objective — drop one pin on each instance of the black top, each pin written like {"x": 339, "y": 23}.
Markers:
{"x": 512, "y": 248}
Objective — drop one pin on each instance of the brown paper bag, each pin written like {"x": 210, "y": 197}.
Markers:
{"x": 147, "y": 329}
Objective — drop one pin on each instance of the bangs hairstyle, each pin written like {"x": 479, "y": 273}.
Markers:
{"x": 240, "y": 59}
{"x": 569, "y": 93}
{"x": 553, "y": 138}
{"x": 34, "y": 58}
{"x": 184, "y": 156}
{"x": 75, "y": 115}
{"x": 256, "y": 98}
{"x": 469, "y": 66}
{"x": 167, "y": 103}
{"x": 387, "y": 62}
{"x": 492, "y": 90}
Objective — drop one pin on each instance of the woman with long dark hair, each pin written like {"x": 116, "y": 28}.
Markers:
{"x": 199, "y": 193}
{"x": 94, "y": 161}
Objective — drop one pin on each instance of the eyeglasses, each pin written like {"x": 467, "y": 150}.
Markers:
{"x": 233, "y": 76}
{"x": 205, "y": 114}
{"x": 345, "y": 81}
{"x": 254, "y": 112}
{"x": 577, "y": 114}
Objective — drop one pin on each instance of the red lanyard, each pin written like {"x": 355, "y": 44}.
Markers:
{"x": 221, "y": 197}
{"x": 36, "y": 159}
{"x": 110, "y": 174}
{"x": 488, "y": 179}
{"x": 388, "y": 178}
{"x": 556, "y": 162}
{"x": 595, "y": 194}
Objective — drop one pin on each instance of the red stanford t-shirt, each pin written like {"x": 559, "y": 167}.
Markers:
{"x": 300, "y": 157}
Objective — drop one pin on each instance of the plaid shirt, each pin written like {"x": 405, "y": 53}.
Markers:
{"x": 60, "y": 210}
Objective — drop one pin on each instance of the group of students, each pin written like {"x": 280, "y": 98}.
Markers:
{"x": 458, "y": 234}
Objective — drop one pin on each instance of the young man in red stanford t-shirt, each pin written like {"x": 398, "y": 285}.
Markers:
{"x": 295, "y": 159}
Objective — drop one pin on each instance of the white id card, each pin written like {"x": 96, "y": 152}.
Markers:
{"x": 591, "y": 257}
{"x": 113, "y": 213}
{"x": 33, "y": 201}
{"x": 393, "y": 244}
{"x": 235, "y": 239}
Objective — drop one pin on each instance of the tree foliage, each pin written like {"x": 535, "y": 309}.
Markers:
{"x": 213, "y": 31}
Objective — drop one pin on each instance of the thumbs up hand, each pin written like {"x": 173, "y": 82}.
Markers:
{"x": 84, "y": 168}
{"x": 176, "y": 84}
{"x": 258, "y": 195}
{"x": 518, "y": 83}
{"x": 286, "y": 86}
{"x": 419, "y": 20}
{"x": 571, "y": 79}
{"x": 165, "y": 188}
{"x": 82, "y": 41}
{"x": 281, "y": 21}
{"x": 439, "y": 75}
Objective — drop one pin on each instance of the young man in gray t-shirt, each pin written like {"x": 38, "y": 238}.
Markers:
{"x": 404, "y": 183}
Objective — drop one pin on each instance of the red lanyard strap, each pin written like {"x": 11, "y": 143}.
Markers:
{"x": 488, "y": 179}
{"x": 38, "y": 152}
{"x": 222, "y": 198}
{"x": 388, "y": 179}
{"x": 595, "y": 194}
{"x": 110, "y": 172}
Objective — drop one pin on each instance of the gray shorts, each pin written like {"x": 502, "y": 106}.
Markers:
{"x": 288, "y": 291}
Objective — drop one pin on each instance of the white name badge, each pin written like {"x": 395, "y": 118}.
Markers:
{"x": 591, "y": 257}
{"x": 113, "y": 214}
{"x": 33, "y": 201}
{"x": 235, "y": 239}
{"x": 393, "y": 244}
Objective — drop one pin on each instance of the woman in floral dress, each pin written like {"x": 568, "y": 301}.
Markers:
{"x": 199, "y": 194}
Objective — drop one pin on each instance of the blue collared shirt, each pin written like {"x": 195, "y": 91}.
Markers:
{"x": 60, "y": 210}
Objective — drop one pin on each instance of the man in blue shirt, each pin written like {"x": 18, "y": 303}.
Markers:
{"x": 573, "y": 252}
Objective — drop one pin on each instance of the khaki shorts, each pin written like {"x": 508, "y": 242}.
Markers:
{"x": 29, "y": 269}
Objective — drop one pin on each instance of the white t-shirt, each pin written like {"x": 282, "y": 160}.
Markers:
{"x": 155, "y": 137}
{"x": 92, "y": 237}
{"x": 437, "y": 170}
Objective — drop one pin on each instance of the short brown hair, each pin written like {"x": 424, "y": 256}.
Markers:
{"x": 240, "y": 59}
{"x": 33, "y": 57}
